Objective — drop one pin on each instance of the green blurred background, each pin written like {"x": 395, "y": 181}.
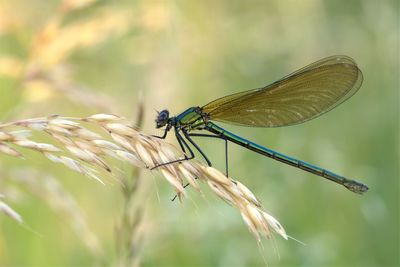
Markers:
{"x": 185, "y": 53}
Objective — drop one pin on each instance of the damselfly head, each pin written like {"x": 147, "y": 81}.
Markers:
{"x": 162, "y": 118}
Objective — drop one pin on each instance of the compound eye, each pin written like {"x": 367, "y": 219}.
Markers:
{"x": 164, "y": 115}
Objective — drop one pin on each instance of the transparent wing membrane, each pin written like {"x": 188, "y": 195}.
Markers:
{"x": 296, "y": 98}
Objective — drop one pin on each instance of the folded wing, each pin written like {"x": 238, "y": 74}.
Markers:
{"x": 296, "y": 98}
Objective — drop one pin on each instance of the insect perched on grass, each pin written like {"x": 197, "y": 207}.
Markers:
{"x": 296, "y": 98}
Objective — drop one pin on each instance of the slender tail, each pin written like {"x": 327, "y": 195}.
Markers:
{"x": 352, "y": 185}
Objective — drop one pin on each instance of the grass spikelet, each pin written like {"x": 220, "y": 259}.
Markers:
{"x": 86, "y": 134}
{"x": 87, "y": 146}
{"x": 250, "y": 224}
{"x": 257, "y": 219}
{"x": 120, "y": 129}
{"x": 42, "y": 147}
{"x": 189, "y": 175}
{"x": 102, "y": 118}
{"x": 216, "y": 176}
{"x": 104, "y": 144}
{"x": 221, "y": 192}
{"x": 128, "y": 157}
{"x": 246, "y": 193}
{"x": 6, "y": 136}
{"x": 9, "y": 150}
{"x": 64, "y": 123}
{"x": 275, "y": 225}
{"x": 144, "y": 155}
{"x": 173, "y": 180}
{"x": 122, "y": 141}
{"x": 7, "y": 210}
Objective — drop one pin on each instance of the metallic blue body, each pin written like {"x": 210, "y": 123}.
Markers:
{"x": 348, "y": 183}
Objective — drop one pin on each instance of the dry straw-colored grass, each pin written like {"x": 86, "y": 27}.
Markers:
{"x": 46, "y": 71}
{"x": 10, "y": 212}
{"x": 88, "y": 152}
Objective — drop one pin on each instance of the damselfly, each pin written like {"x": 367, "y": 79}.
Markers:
{"x": 296, "y": 98}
